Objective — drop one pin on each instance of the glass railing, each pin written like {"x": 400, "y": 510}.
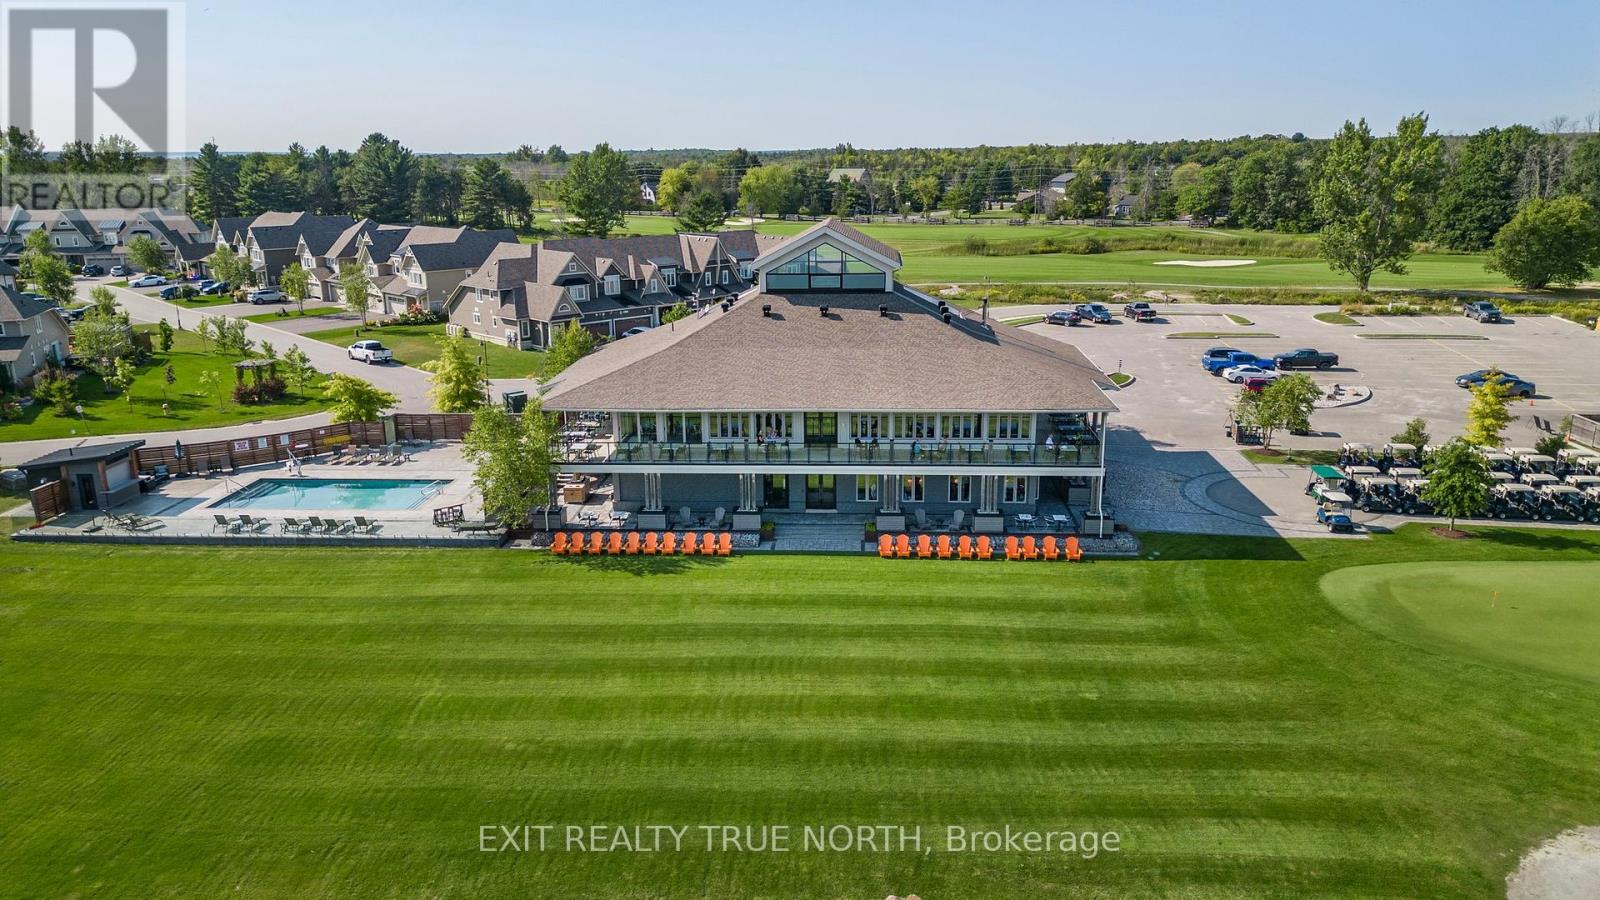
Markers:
{"x": 1081, "y": 450}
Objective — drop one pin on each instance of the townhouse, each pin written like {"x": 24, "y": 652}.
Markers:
{"x": 101, "y": 236}
{"x": 33, "y": 334}
{"x": 826, "y": 387}
{"x": 425, "y": 269}
{"x": 272, "y": 240}
{"x": 522, "y": 294}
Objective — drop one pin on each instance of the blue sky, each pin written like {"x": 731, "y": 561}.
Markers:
{"x": 482, "y": 75}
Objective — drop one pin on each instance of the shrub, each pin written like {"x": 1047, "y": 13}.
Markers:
{"x": 417, "y": 315}
{"x": 57, "y": 390}
{"x": 268, "y": 390}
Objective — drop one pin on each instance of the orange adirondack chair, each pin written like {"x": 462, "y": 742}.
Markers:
{"x": 886, "y": 546}
{"x": 1030, "y": 548}
{"x": 669, "y": 543}
{"x": 944, "y": 546}
{"x": 1074, "y": 552}
{"x": 924, "y": 547}
{"x": 964, "y": 547}
{"x": 985, "y": 549}
{"x": 652, "y": 544}
{"x": 902, "y": 546}
{"x": 1012, "y": 550}
{"x": 708, "y": 544}
{"x": 558, "y": 544}
{"x": 725, "y": 544}
{"x": 631, "y": 547}
{"x": 689, "y": 545}
{"x": 1051, "y": 550}
{"x": 596, "y": 542}
{"x": 614, "y": 543}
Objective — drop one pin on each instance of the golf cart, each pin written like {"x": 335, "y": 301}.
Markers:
{"x": 1333, "y": 510}
{"x": 1412, "y": 502}
{"x": 1406, "y": 473}
{"x": 1498, "y": 462}
{"x": 1502, "y": 477}
{"x": 1401, "y": 454}
{"x": 1325, "y": 480}
{"x": 1377, "y": 493}
{"x": 1589, "y": 486}
{"x": 1538, "y": 479}
{"x": 1356, "y": 455}
{"x": 1510, "y": 500}
{"x": 1576, "y": 460}
{"x": 1561, "y": 501}
{"x": 1534, "y": 461}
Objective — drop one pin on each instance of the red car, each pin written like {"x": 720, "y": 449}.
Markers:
{"x": 1256, "y": 385}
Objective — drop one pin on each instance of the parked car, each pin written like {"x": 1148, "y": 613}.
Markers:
{"x": 38, "y": 298}
{"x": 214, "y": 288}
{"x": 1094, "y": 312}
{"x": 1217, "y": 353}
{"x": 268, "y": 295}
{"x": 1519, "y": 387}
{"x": 1240, "y": 374}
{"x": 121, "y": 271}
{"x": 145, "y": 281}
{"x": 1216, "y": 364}
{"x": 1139, "y": 311}
{"x": 1482, "y": 310}
{"x": 1064, "y": 317}
{"x": 76, "y": 313}
{"x": 177, "y": 292}
{"x": 370, "y": 352}
{"x": 1256, "y": 385}
{"x": 93, "y": 270}
{"x": 633, "y": 331}
{"x": 1305, "y": 358}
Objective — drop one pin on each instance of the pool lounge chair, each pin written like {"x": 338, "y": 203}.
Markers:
{"x": 253, "y": 525}
{"x": 366, "y": 526}
{"x": 293, "y": 526}
{"x": 219, "y": 521}
{"x": 333, "y": 526}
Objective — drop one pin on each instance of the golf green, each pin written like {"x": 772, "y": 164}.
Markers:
{"x": 1541, "y": 616}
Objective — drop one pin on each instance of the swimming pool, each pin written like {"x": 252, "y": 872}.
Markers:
{"x": 332, "y": 493}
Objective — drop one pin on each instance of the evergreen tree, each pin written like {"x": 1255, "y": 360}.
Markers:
{"x": 381, "y": 180}
{"x": 213, "y": 185}
{"x": 487, "y": 191}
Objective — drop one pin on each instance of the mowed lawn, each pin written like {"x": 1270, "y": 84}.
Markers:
{"x": 414, "y": 345}
{"x": 273, "y": 722}
{"x": 189, "y": 404}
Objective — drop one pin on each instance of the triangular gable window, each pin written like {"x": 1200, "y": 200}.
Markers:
{"x": 827, "y": 268}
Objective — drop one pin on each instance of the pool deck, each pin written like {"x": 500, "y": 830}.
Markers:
{"x": 181, "y": 510}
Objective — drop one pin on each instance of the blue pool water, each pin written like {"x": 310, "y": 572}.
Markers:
{"x": 332, "y": 493}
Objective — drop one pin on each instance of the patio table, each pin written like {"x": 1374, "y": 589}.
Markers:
{"x": 1025, "y": 519}
{"x": 1058, "y": 519}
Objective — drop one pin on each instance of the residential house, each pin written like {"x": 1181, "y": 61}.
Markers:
{"x": 522, "y": 294}
{"x": 426, "y": 266}
{"x": 98, "y": 236}
{"x": 857, "y": 174}
{"x": 829, "y": 388}
{"x": 272, "y": 240}
{"x": 1061, "y": 181}
{"x": 322, "y": 257}
{"x": 647, "y": 191}
{"x": 33, "y": 334}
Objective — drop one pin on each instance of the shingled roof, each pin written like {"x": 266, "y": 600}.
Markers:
{"x": 852, "y": 359}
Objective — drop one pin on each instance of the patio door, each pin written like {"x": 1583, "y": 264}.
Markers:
{"x": 822, "y": 429}
{"x": 86, "y": 493}
{"x": 775, "y": 491}
{"x": 820, "y": 493}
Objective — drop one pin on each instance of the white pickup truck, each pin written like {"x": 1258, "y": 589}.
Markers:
{"x": 370, "y": 352}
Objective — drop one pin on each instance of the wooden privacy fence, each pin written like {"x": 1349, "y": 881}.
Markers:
{"x": 278, "y": 446}
{"x": 49, "y": 500}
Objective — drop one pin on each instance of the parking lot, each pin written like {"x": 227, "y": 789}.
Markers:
{"x": 1172, "y": 465}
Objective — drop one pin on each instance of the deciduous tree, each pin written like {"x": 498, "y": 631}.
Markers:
{"x": 146, "y": 253}
{"x": 296, "y": 282}
{"x": 1489, "y": 411}
{"x": 1548, "y": 242}
{"x": 1458, "y": 481}
{"x": 598, "y": 189}
{"x": 512, "y": 460}
{"x": 355, "y": 400}
{"x": 458, "y": 377}
{"x": 356, "y": 289}
{"x": 570, "y": 344}
{"x": 1372, "y": 195}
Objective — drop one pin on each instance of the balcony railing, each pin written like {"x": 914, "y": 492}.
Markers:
{"x": 1081, "y": 450}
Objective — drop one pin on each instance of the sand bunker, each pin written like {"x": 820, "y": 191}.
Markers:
{"x": 1567, "y": 866}
{"x": 1208, "y": 263}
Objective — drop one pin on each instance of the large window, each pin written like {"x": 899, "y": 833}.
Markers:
{"x": 1010, "y": 427}
{"x": 866, "y": 488}
{"x": 914, "y": 426}
{"x": 912, "y": 489}
{"x": 960, "y": 427}
{"x": 613, "y": 285}
{"x": 728, "y": 426}
{"x": 683, "y": 428}
{"x": 639, "y": 426}
{"x": 826, "y": 268}
{"x": 869, "y": 427}
{"x": 775, "y": 426}
{"x": 960, "y": 489}
{"x": 1014, "y": 489}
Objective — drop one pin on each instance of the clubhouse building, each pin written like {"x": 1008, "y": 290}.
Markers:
{"x": 824, "y": 386}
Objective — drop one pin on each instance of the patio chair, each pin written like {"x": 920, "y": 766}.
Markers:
{"x": 924, "y": 547}
{"x": 1051, "y": 551}
{"x": 652, "y": 544}
{"x": 292, "y": 526}
{"x": 219, "y": 521}
{"x": 315, "y": 524}
{"x": 334, "y": 526}
{"x": 669, "y": 543}
{"x": 902, "y": 546}
{"x": 614, "y": 544}
{"x": 558, "y": 543}
{"x": 366, "y": 526}
{"x": 985, "y": 549}
{"x": 252, "y": 525}
{"x": 964, "y": 547}
{"x": 1074, "y": 552}
{"x": 631, "y": 547}
{"x": 708, "y": 544}
{"x": 921, "y": 515}
{"x": 1013, "y": 551}
{"x": 716, "y": 519}
{"x": 685, "y": 516}
{"x": 596, "y": 543}
{"x": 1030, "y": 548}
{"x": 725, "y": 544}
{"x": 958, "y": 519}
{"x": 575, "y": 544}
{"x": 944, "y": 546}
{"x": 886, "y": 546}
{"x": 689, "y": 546}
